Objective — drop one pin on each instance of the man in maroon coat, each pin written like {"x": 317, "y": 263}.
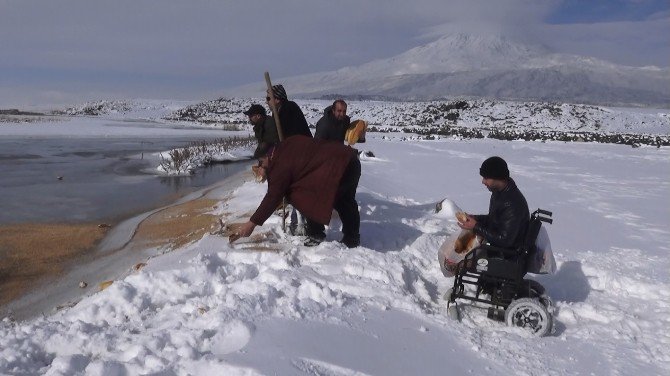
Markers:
{"x": 316, "y": 176}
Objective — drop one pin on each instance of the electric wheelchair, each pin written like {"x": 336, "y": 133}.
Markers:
{"x": 497, "y": 275}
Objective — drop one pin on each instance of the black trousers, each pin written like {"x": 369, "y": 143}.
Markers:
{"x": 345, "y": 205}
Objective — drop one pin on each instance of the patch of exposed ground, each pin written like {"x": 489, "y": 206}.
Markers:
{"x": 33, "y": 254}
{"x": 30, "y": 253}
{"x": 177, "y": 225}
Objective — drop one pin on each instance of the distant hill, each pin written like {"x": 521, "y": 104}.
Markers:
{"x": 465, "y": 118}
{"x": 489, "y": 67}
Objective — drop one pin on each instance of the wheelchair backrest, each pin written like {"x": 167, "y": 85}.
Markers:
{"x": 534, "y": 226}
{"x": 531, "y": 234}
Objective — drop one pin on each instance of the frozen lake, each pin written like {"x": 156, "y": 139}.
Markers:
{"x": 102, "y": 178}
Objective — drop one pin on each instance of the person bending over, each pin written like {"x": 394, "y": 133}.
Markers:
{"x": 316, "y": 176}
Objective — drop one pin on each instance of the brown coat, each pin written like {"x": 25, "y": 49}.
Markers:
{"x": 308, "y": 173}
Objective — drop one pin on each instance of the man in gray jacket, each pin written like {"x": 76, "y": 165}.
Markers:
{"x": 334, "y": 123}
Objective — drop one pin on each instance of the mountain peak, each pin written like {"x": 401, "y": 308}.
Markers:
{"x": 467, "y": 52}
{"x": 493, "y": 66}
{"x": 457, "y": 53}
{"x": 493, "y": 43}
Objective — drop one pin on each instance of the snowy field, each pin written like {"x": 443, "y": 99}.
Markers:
{"x": 215, "y": 308}
{"x": 469, "y": 113}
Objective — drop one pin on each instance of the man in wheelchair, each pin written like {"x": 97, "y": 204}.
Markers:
{"x": 497, "y": 267}
{"x": 507, "y": 221}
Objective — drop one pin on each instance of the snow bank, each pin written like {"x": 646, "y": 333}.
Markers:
{"x": 216, "y": 308}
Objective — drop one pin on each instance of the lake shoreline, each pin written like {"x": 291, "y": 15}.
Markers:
{"x": 81, "y": 264}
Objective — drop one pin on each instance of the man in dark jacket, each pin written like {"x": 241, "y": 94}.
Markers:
{"x": 291, "y": 118}
{"x": 316, "y": 176}
{"x": 507, "y": 221}
{"x": 265, "y": 130}
{"x": 334, "y": 122}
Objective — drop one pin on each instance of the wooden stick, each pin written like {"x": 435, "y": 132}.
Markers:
{"x": 280, "y": 133}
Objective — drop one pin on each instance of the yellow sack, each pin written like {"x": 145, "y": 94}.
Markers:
{"x": 356, "y": 132}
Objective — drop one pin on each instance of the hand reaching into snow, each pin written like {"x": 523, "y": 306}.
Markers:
{"x": 242, "y": 232}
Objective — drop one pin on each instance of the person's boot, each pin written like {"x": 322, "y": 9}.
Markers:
{"x": 351, "y": 241}
{"x": 314, "y": 240}
{"x": 314, "y": 232}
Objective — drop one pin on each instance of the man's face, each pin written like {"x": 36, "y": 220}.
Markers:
{"x": 255, "y": 119}
{"x": 339, "y": 111}
{"x": 494, "y": 185}
{"x": 276, "y": 102}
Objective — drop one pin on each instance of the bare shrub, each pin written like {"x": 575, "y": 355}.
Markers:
{"x": 198, "y": 153}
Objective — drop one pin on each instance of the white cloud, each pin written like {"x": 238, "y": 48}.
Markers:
{"x": 631, "y": 43}
{"x": 188, "y": 48}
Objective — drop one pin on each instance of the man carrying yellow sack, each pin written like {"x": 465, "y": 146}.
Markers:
{"x": 335, "y": 125}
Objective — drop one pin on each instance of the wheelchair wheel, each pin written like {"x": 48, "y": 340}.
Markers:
{"x": 530, "y": 314}
{"x": 535, "y": 290}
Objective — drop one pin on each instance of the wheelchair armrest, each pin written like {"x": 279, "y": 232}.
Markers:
{"x": 487, "y": 251}
{"x": 477, "y": 252}
{"x": 505, "y": 263}
{"x": 505, "y": 251}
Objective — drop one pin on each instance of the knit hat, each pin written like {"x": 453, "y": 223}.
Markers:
{"x": 255, "y": 109}
{"x": 279, "y": 92}
{"x": 494, "y": 168}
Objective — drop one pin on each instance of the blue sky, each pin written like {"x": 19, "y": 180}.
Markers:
{"x": 72, "y": 50}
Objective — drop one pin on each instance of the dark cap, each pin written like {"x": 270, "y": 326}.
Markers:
{"x": 494, "y": 168}
{"x": 255, "y": 109}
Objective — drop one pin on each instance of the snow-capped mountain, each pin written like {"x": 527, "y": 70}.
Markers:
{"x": 488, "y": 66}
{"x": 453, "y": 53}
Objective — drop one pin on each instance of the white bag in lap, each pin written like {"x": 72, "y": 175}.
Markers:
{"x": 458, "y": 244}
{"x": 543, "y": 261}
{"x": 454, "y": 249}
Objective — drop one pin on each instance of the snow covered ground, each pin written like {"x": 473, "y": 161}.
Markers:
{"x": 272, "y": 306}
{"x": 470, "y": 113}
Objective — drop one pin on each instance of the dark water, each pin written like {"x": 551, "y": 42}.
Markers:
{"x": 101, "y": 179}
